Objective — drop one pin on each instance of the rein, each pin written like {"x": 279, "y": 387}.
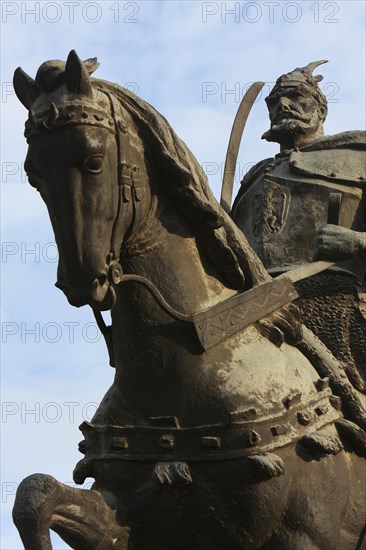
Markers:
{"x": 218, "y": 322}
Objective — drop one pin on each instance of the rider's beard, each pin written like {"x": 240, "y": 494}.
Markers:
{"x": 289, "y": 128}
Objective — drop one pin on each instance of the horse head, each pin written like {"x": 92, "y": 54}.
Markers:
{"x": 105, "y": 162}
{"x": 78, "y": 163}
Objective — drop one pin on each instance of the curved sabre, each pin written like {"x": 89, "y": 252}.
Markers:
{"x": 234, "y": 143}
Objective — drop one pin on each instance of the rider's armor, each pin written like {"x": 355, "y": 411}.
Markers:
{"x": 280, "y": 207}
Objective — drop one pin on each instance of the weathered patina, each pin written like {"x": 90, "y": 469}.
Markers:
{"x": 230, "y": 445}
{"x": 309, "y": 203}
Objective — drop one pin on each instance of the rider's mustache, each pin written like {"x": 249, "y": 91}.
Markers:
{"x": 290, "y": 114}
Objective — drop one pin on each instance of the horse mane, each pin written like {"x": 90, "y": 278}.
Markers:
{"x": 217, "y": 236}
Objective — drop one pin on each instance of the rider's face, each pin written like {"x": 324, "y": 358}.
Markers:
{"x": 293, "y": 110}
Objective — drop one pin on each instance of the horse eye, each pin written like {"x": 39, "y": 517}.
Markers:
{"x": 94, "y": 164}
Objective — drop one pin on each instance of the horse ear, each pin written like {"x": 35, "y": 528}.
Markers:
{"x": 25, "y": 88}
{"x": 91, "y": 64}
{"x": 77, "y": 77}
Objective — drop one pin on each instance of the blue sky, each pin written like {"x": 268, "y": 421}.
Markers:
{"x": 191, "y": 60}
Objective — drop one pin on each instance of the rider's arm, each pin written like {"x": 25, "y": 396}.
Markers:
{"x": 335, "y": 243}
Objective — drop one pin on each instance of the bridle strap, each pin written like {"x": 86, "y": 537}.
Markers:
{"x": 117, "y": 124}
{"x": 127, "y": 177}
{"x": 128, "y": 195}
{"x": 107, "y": 334}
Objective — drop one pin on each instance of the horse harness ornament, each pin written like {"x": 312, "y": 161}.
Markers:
{"x": 243, "y": 436}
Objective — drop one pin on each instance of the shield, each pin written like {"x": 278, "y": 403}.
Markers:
{"x": 281, "y": 216}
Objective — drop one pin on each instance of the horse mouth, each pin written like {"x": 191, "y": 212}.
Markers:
{"x": 99, "y": 295}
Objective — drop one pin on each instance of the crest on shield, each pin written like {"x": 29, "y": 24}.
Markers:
{"x": 271, "y": 207}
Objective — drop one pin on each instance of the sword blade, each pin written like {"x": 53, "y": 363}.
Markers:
{"x": 234, "y": 143}
{"x": 304, "y": 271}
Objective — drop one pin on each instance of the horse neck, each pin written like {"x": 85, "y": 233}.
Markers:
{"x": 157, "y": 358}
{"x": 160, "y": 246}
{"x": 160, "y": 243}
{"x": 165, "y": 252}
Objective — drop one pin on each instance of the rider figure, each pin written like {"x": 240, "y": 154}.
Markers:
{"x": 313, "y": 191}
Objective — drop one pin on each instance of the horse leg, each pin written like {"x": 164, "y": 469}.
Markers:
{"x": 81, "y": 517}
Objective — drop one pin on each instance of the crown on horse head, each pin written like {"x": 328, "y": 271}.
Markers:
{"x": 302, "y": 76}
{"x": 62, "y": 94}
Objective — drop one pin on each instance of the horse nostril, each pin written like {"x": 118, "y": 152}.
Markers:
{"x": 102, "y": 279}
{"x": 99, "y": 281}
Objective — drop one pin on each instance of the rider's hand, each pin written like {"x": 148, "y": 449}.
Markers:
{"x": 335, "y": 243}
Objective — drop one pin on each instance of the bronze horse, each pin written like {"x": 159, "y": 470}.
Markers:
{"x": 236, "y": 445}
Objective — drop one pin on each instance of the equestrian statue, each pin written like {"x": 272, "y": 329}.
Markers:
{"x": 229, "y": 424}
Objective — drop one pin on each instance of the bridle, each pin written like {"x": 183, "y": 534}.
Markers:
{"x": 129, "y": 183}
{"x": 88, "y": 112}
